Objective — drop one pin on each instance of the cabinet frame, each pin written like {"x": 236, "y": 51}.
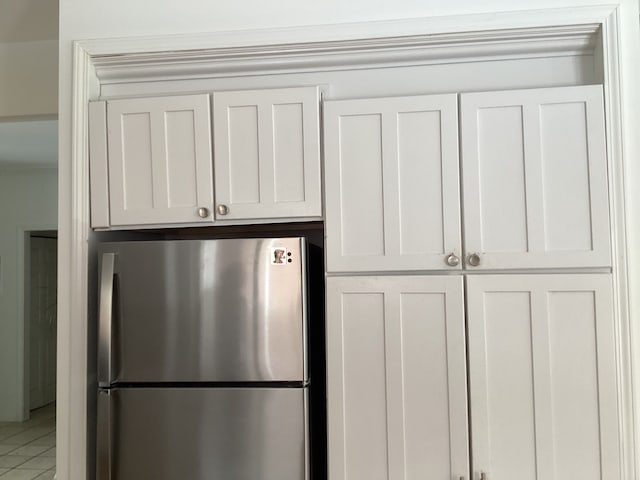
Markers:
{"x": 90, "y": 69}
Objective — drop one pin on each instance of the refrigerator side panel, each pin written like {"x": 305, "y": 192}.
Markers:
{"x": 202, "y": 434}
{"x": 212, "y": 311}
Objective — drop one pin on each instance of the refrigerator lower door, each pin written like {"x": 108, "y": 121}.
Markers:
{"x": 204, "y": 433}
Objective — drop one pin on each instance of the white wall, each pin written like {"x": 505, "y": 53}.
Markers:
{"x": 29, "y": 78}
{"x": 28, "y": 200}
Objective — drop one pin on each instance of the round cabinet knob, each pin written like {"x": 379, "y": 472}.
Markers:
{"x": 203, "y": 212}
{"x": 452, "y": 260}
{"x": 473, "y": 259}
{"x": 222, "y": 209}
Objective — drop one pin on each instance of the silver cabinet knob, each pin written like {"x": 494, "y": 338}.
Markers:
{"x": 483, "y": 476}
{"x": 222, "y": 209}
{"x": 452, "y": 260}
{"x": 474, "y": 260}
{"x": 203, "y": 212}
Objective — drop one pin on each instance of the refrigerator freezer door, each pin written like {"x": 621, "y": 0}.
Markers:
{"x": 208, "y": 311}
{"x": 205, "y": 434}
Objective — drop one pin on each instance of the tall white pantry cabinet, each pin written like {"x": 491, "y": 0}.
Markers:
{"x": 470, "y": 328}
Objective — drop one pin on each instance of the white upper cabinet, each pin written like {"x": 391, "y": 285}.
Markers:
{"x": 396, "y": 378}
{"x": 542, "y": 370}
{"x": 535, "y": 178}
{"x": 267, "y": 153}
{"x": 159, "y": 160}
{"x": 392, "y": 185}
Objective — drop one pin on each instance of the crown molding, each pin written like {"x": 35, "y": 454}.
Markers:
{"x": 391, "y": 51}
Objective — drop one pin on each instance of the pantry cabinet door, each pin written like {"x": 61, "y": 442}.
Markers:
{"x": 267, "y": 153}
{"x": 535, "y": 178}
{"x": 542, "y": 377}
{"x": 392, "y": 185}
{"x": 160, "y": 167}
{"x": 396, "y": 378}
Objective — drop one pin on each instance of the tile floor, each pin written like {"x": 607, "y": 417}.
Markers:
{"x": 28, "y": 449}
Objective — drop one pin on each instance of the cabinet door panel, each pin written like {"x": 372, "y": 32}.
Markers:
{"x": 502, "y": 402}
{"x": 535, "y": 178}
{"x": 364, "y": 365}
{"x": 267, "y": 153}
{"x": 396, "y": 378}
{"x": 363, "y": 207}
{"x": 244, "y": 157}
{"x": 288, "y": 150}
{"x": 542, "y": 376}
{"x": 391, "y": 177}
{"x": 502, "y": 180}
{"x": 159, "y": 159}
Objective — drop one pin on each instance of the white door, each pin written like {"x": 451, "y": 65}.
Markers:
{"x": 267, "y": 153}
{"x": 396, "y": 378}
{"x": 392, "y": 185}
{"x": 542, "y": 377}
{"x": 535, "y": 178}
{"x": 160, "y": 167}
{"x": 42, "y": 321}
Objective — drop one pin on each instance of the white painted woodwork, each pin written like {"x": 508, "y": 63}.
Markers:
{"x": 160, "y": 167}
{"x": 391, "y": 182}
{"x": 42, "y": 323}
{"x": 542, "y": 370}
{"x": 98, "y": 164}
{"x": 535, "y": 184}
{"x": 617, "y": 23}
{"x": 267, "y": 153}
{"x": 396, "y": 378}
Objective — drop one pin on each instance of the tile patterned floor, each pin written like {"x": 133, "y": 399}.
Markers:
{"x": 28, "y": 449}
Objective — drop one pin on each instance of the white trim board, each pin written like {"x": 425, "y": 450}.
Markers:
{"x": 329, "y": 55}
{"x": 122, "y": 54}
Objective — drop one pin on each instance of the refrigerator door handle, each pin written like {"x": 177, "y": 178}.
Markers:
{"x": 105, "y": 319}
{"x": 103, "y": 441}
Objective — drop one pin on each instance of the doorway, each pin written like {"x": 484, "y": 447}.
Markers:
{"x": 27, "y": 448}
{"x": 41, "y": 317}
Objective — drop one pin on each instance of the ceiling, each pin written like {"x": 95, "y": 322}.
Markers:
{"x": 29, "y": 143}
{"x": 28, "y": 20}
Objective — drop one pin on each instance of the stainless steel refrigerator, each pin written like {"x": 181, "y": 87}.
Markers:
{"x": 202, "y": 366}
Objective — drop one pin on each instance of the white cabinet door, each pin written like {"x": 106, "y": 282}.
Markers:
{"x": 392, "y": 186}
{"x": 535, "y": 178}
{"x": 396, "y": 378}
{"x": 542, "y": 377}
{"x": 267, "y": 153}
{"x": 159, "y": 160}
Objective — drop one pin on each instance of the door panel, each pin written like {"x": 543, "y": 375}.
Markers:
{"x": 396, "y": 378}
{"x": 160, "y": 167}
{"x": 535, "y": 178}
{"x": 543, "y": 376}
{"x": 42, "y": 326}
{"x": 267, "y": 153}
{"x": 391, "y": 177}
